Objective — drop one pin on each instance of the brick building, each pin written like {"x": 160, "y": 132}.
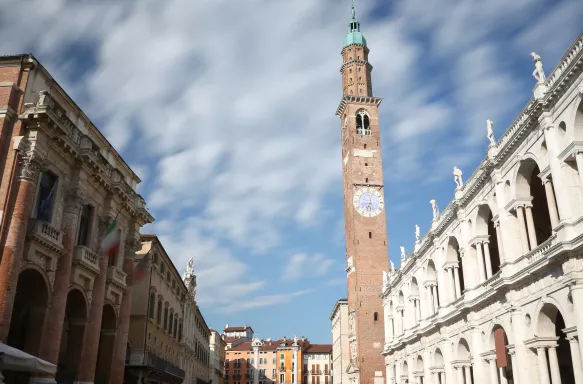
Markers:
{"x": 364, "y": 214}
{"x": 61, "y": 186}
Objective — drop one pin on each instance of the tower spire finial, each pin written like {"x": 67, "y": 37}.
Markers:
{"x": 353, "y": 11}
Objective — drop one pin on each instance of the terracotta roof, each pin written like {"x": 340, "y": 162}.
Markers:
{"x": 319, "y": 348}
{"x": 273, "y": 345}
{"x": 244, "y": 346}
{"x": 237, "y": 329}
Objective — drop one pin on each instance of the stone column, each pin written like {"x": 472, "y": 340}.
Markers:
{"x": 515, "y": 371}
{"x": 577, "y": 294}
{"x": 53, "y": 326}
{"x": 487, "y": 259}
{"x": 522, "y": 229}
{"x": 121, "y": 337}
{"x": 499, "y": 238}
{"x": 93, "y": 329}
{"x": 530, "y": 226}
{"x": 576, "y": 358}
{"x": 442, "y": 377}
{"x": 435, "y": 377}
{"x": 256, "y": 356}
{"x": 460, "y": 375}
{"x": 554, "y": 364}
{"x": 551, "y": 202}
{"x": 543, "y": 372}
{"x": 493, "y": 371}
{"x": 503, "y": 379}
{"x": 13, "y": 250}
{"x": 451, "y": 284}
{"x": 418, "y": 309}
{"x": 456, "y": 276}
{"x": 579, "y": 160}
{"x": 436, "y": 298}
{"x": 468, "y": 373}
{"x": 480, "y": 257}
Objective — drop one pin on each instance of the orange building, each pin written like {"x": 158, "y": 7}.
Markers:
{"x": 280, "y": 361}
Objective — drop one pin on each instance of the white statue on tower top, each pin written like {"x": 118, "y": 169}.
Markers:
{"x": 457, "y": 177}
{"x": 435, "y": 209}
{"x": 417, "y": 233}
{"x": 190, "y": 266}
{"x": 539, "y": 73}
{"x": 392, "y": 266}
{"x": 490, "y": 128}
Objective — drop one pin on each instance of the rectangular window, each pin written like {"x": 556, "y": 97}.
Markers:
{"x": 313, "y": 379}
{"x": 326, "y": 369}
{"x": 326, "y": 380}
{"x": 293, "y": 378}
{"x": 305, "y": 367}
{"x": 317, "y": 379}
{"x": 281, "y": 378}
{"x": 274, "y": 360}
{"x": 46, "y": 196}
{"x": 273, "y": 373}
{"x": 85, "y": 225}
{"x": 252, "y": 361}
{"x": 318, "y": 368}
{"x": 152, "y": 305}
{"x": 165, "y": 318}
{"x": 313, "y": 369}
{"x": 159, "y": 314}
{"x": 175, "y": 327}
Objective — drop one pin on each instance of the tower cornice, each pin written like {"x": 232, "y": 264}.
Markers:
{"x": 364, "y": 62}
{"x": 355, "y": 44}
{"x": 352, "y": 99}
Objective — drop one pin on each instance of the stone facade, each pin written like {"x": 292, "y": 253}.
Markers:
{"x": 317, "y": 360}
{"x": 364, "y": 214}
{"x": 62, "y": 185}
{"x": 340, "y": 342}
{"x": 493, "y": 293}
{"x": 217, "y": 357}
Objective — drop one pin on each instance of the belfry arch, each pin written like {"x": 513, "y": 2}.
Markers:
{"x": 362, "y": 123}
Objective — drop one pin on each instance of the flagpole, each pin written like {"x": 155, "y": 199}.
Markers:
{"x": 114, "y": 219}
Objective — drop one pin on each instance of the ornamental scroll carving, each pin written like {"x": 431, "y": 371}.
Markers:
{"x": 30, "y": 166}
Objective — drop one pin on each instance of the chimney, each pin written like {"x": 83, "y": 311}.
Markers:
{"x": 303, "y": 338}
{"x": 284, "y": 338}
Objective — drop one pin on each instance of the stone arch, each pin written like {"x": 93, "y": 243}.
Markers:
{"x": 438, "y": 361}
{"x": 529, "y": 187}
{"x": 109, "y": 326}
{"x": 420, "y": 366}
{"x": 463, "y": 350}
{"x": 76, "y": 315}
{"x": 405, "y": 368}
{"x": 414, "y": 289}
{"x": 508, "y": 370}
{"x": 485, "y": 227}
{"x": 31, "y": 302}
{"x": 430, "y": 273}
{"x": 550, "y": 323}
{"x": 453, "y": 254}
{"x": 79, "y": 290}
{"x": 492, "y": 327}
{"x": 401, "y": 298}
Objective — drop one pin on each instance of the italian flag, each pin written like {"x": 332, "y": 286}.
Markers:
{"x": 110, "y": 243}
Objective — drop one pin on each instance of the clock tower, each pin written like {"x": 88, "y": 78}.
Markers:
{"x": 364, "y": 213}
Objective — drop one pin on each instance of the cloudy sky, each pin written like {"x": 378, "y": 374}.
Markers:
{"x": 225, "y": 109}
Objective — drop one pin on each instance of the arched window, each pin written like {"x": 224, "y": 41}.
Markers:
{"x": 159, "y": 314}
{"x": 362, "y": 123}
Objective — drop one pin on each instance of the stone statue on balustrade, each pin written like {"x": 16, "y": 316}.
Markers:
{"x": 490, "y": 131}
{"x": 539, "y": 73}
{"x": 417, "y": 233}
{"x": 457, "y": 177}
{"x": 392, "y": 267}
{"x": 403, "y": 253}
{"x": 435, "y": 209}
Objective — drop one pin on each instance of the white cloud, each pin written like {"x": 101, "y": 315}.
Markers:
{"x": 301, "y": 265}
{"x": 232, "y": 110}
{"x": 263, "y": 301}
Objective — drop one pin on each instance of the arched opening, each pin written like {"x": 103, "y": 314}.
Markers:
{"x": 463, "y": 355}
{"x": 490, "y": 251}
{"x": 362, "y": 123}
{"x": 392, "y": 318}
{"x": 106, "y": 344}
{"x": 72, "y": 336}
{"x": 414, "y": 293}
{"x": 578, "y": 126}
{"x": 401, "y": 312}
{"x": 551, "y": 324}
{"x": 420, "y": 369}
{"x": 28, "y": 312}
{"x": 453, "y": 255}
{"x": 432, "y": 287}
{"x": 499, "y": 340}
{"x": 529, "y": 185}
{"x": 438, "y": 364}
{"x": 405, "y": 374}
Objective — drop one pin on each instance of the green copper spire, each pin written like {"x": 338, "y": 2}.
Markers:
{"x": 354, "y": 35}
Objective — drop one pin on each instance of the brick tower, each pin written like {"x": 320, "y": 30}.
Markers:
{"x": 366, "y": 232}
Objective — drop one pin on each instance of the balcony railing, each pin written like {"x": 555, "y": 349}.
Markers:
{"x": 147, "y": 359}
{"x": 46, "y": 233}
{"x": 86, "y": 257}
{"x": 116, "y": 275}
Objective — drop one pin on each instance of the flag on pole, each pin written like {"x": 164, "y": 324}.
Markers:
{"x": 46, "y": 204}
{"x": 110, "y": 243}
{"x": 141, "y": 268}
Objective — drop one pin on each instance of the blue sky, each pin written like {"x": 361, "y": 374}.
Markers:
{"x": 225, "y": 109}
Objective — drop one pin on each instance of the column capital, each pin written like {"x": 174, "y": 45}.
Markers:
{"x": 31, "y": 164}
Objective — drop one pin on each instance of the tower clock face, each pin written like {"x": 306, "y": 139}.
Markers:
{"x": 368, "y": 202}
